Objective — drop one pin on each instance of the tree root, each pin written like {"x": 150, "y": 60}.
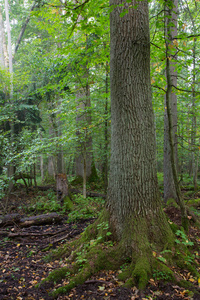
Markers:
{"x": 95, "y": 251}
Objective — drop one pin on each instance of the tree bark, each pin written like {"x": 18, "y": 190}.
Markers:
{"x": 62, "y": 187}
{"x": 30, "y": 221}
{"x": 24, "y": 28}
{"x": 2, "y": 58}
{"x": 194, "y": 121}
{"x": 11, "y": 168}
{"x": 169, "y": 56}
{"x": 105, "y": 162}
{"x": 134, "y": 203}
{"x": 169, "y": 186}
{"x": 84, "y": 148}
{"x": 40, "y": 220}
{"x": 84, "y": 120}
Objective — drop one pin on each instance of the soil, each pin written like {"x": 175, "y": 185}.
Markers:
{"x": 22, "y": 264}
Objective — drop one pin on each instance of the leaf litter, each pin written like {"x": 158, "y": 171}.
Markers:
{"x": 22, "y": 267}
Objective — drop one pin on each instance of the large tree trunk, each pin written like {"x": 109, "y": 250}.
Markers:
{"x": 133, "y": 198}
{"x": 169, "y": 186}
{"x": 133, "y": 213}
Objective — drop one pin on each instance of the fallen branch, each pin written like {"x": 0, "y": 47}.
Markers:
{"x": 40, "y": 220}
{"x": 9, "y": 219}
{"x": 55, "y": 240}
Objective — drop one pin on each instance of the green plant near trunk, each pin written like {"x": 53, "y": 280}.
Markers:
{"x": 96, "y": 250}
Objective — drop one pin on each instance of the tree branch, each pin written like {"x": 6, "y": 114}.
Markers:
{"x": 158, "y": 87}
{"x": 186, "y": 37}
{"x": 183, "y": 90}
{"x": 24, "y": 28}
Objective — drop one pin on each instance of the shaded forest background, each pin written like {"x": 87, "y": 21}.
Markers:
{"x": 55, "y": 98}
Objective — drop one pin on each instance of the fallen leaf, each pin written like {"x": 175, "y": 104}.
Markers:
{"x": 33, "y": 282}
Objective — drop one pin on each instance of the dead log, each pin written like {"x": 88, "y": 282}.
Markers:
{"x": 9, "y": 219}
{"x": 45, "y": 188}
{"x": 4, "y": 233}
{"x": 40, "y": 220}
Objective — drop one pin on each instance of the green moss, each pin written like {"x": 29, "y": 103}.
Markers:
{"x": 68, "y": 204}
{"x": 141, "y": 272}
{"x": 172, "y": 202}
{"x": 60, "y": 252}
{"x": 185, "y": 284}
{"x": 173, "y": 227}
{"x": 193, "y": 202}
{"x": 129, "y": 283}
{"x": 56, "y": 275}
{"x": 185, "y": 223}
{"x": 90, "y": 253}
{"x": 76, "y": 280}
{"x": 125, "y": 274}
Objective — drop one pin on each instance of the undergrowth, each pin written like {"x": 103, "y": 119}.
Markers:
{"x": 83, "y": 208}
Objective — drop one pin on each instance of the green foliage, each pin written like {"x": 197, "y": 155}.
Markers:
{"x": 161, "y": 275}
{"x": 183, "y": 238}
{"x": 85, "y": 208}
{"x": 45, "y": 203}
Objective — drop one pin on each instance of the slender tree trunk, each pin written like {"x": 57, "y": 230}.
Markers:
{"x": 42, "y": 168}
{"x": 169, "y": 186}
{"x": 35, "y": 174}
{"x": 169, "y": 56}
{"x": 105, "y": 163}
{"x": 11, "y": 168}
{"x": 194, "y": 122}
{"x": 56, "y": 124}
{"x": 2, "y": 58}
{"x": 193, "y": 167}
{"x": 24, "y": 28}
{"x": 84, "y": 172}
{"x": 84, "y": 120}
{"x": 51, "y": 167}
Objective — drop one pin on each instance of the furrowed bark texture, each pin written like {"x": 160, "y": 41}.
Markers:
{"x": 133, "y": 189}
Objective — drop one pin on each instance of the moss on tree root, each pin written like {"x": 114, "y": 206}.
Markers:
{"x": 96, "y": 250}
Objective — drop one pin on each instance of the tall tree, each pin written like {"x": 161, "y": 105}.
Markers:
{"x": 2, "y": 58}
{"x": 134, "y": 210}
{"x": 133, "y": 198}
{"x": 11, "y": 168}
{"x": 171, "y": 10}
{"x": 170, "y": 110}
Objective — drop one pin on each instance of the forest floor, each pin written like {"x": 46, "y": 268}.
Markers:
{"x": 22, "y": 265}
